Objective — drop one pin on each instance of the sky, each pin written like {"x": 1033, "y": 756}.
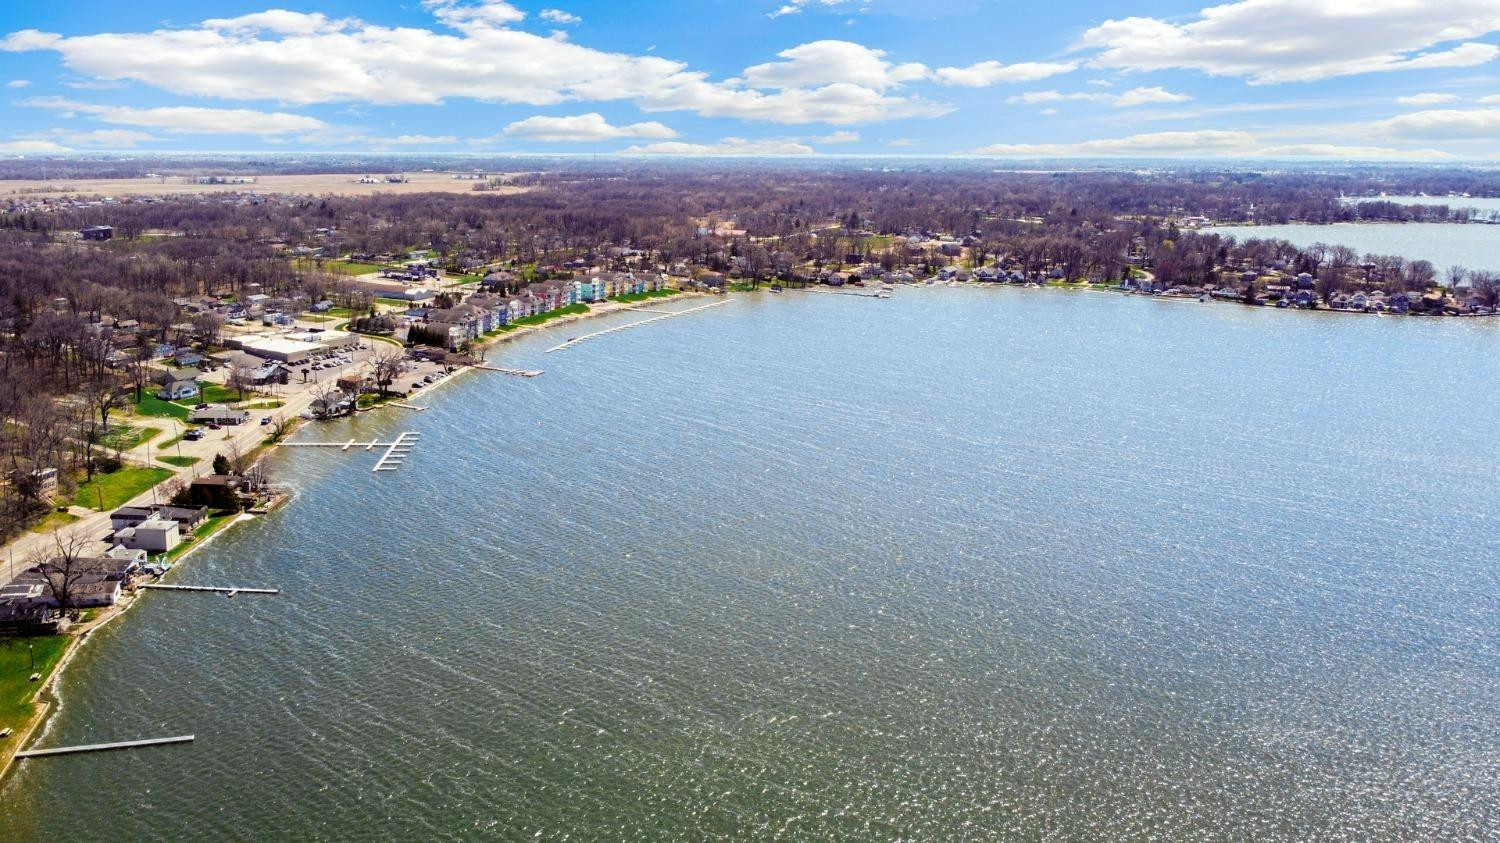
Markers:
{"x": 1411, "y": 80}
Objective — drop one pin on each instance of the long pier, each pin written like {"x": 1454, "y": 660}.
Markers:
{"x": 576, "y": 340}
{"x": 217, "y": 589}
{"x": 101, "y": 747}
{"x": 520, "y": 373}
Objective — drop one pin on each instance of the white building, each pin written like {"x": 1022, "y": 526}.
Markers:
{"x": 156, "y": 535}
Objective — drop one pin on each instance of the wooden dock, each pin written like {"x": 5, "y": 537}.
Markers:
{"x": 217, "y": 589}
{"x": 520, "y": 373}
{"x": 576, "y": 340}
{"x": 406, "y": 406}
{"x": 101, "y": 747}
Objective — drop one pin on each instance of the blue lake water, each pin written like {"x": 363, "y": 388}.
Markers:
{"x": 1474, "y": 246}
{"x": 962, "y": 564}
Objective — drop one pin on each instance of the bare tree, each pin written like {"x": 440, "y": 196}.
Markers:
{"x": 386, "y": 367}
{"x": 241, "y": 378}
{"x": 64, "y": 567}
{"x": 207, "y": 326}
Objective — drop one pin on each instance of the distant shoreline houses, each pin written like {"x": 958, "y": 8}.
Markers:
{"x": 490, "y": 309}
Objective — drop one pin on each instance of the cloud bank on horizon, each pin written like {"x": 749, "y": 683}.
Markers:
{"x": 1338, "y": 79}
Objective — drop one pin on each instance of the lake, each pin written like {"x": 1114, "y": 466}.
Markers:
{"x": 964, "y": 563}
{"x": 1487, "y": 206}
{"x": 1473, "y": 246}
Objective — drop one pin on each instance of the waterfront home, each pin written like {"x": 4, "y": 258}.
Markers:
{"x": 155, "y": 534}
{"x": 1358, "y": 301}
{"x": 218, "y": 414}
{"x": 1399, "y": 302}
{"x": 188, "y": 518}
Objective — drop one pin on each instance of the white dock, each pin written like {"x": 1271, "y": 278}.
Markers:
{"x": 100, "y": 747}
{"x": 576, "y": 340}
{"x": 520, "y": 373}
{"x": 397, "y": 452}
{"x": 217, "y": 589}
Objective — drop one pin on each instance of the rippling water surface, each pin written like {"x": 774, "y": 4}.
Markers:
{"x": 961, "y": 564}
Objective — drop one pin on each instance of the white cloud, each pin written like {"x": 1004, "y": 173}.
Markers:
{"x": 1200, "y": 144}
{"x": 1128, "y": 99}
{"x": 559, "y": 16}
{"x": 31, "y": 147}
{"x": 826, "y": 62}
{"x": 28, "y": 39}
{"x": 988, "y": 73}
{"x": 583, "y": 127}
{"x": 837, "y": 137}
{"x": 187, "y": 119}
{"x": 900, "y": 142}
{"x": 1173, "y": 144}
{"x": 422, "y": 140}
{"x": 481, "y": 15}
{"x": 1329, "y": 150}
{"x": 795, "y": 6}
{"x": 1426, "y": 99}
{"x": 1443, "y": 124}
{"x": 97, "y": 138}
{"x": 727, "y": 146}
{"x": 304, "y": 59}
{"x": 1272, "y": 41}
{"x": 278, "y": 21}
{"x": 18, "y": 83}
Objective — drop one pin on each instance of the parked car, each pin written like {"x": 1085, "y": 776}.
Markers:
{"x": 265, "y": 419}
{"x": 193, "y": 435}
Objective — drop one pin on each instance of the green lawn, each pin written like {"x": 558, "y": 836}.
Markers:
{"x": 649, "y": 294}
{"x": 54, "y": 521}
{"x": 180, "y": 462}
{"x": 118, "y": 487}
{"x": 150, "y": 405}
{"x": 17, "y": 691}
{"x": 538, "y": 319}
{"x": 213, "y": 393}
{"x": 211, "y": 525}
{"x": 263, "y": 405}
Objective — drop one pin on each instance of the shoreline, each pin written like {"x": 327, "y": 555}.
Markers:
{"x": 47, "y": 699}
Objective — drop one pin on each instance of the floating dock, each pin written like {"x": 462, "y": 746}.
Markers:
{"x": 101, "y": 747}
{"x": 397, "y": 452}
{"x": 576, "y": 340}
{"x": 217, "y": 589}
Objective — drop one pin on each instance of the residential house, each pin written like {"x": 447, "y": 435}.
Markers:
{"x": 155, "y": 534}
{"x": 218, "y": 414}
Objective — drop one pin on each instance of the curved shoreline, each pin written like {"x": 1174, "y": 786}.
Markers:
{"x": 48, "y": 701}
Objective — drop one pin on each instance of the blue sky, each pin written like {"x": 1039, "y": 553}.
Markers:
{"x": 1335, "y": 79}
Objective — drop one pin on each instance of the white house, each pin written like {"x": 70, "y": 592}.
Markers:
{"x": 157, "y": 535}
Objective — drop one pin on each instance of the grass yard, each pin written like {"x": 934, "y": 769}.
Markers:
{"x": 118, "y": 487}
{"x": 180, "y": 462}
{"x": 54, "y": 521}
{"x": 213, "y": 393}
{"x": 154, "y": 407}
{"x": 211, "y": 525}
{"x": 264, "y": 405}
{"x": 18, "y": 656}
{"x": 538, "y": 319}
{"x": 338, "y": 267}
{"x": 649, "y": 294}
